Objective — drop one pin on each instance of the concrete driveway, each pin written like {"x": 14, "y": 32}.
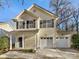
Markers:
{"x": 44, "y": 54}
{"x": 59, "y": 53}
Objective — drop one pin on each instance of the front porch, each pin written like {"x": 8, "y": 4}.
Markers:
{"x": 23, "y": 40}
{"x": 16, "y": 42}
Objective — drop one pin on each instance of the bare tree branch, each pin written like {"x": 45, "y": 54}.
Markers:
{"x": 76, "y": 18}
{"x": 63, "y": 10}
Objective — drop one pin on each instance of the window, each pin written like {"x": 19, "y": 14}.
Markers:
{"x": 61, "y": 37}
{"x": 42, "y": 23}
{"x": 27, "y": 24}
{"x": 46, "y": 23}
{"x": 56, "y": 37}
{"x": 46, "y": 37}
{"x": 66, "y": 37}
{"x": 50, "y": 37}
{"x": 21, "y": 24}
{"x": 49, "y": 23}
{"x": 30, "y": 24}
{"x": 34, "y": 10}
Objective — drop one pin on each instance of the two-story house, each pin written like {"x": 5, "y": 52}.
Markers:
{"x": 36, "y": 28}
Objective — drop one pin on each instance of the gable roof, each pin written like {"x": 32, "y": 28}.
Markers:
{"x": 26, "y": 11}
{"x": 43, "y": 9}
{"x": 37, "y": 6}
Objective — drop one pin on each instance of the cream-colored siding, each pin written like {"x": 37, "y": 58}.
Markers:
{"x": 25, "y": 16}
{"x": 30, "y": 42}
{"x": 41, "y": 14}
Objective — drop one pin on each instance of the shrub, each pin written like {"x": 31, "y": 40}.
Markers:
{"x": 75, "y": 41}
{"x": 4, "y": 42}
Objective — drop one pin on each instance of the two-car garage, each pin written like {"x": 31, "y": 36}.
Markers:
{"x": 58, "y": 42}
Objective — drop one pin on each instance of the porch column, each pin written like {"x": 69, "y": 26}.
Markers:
{"x": 10, "y": 42}
{"x": 23, "y": 41}
{"x": 36, "y": 41}
{"x": 25, "y": 25}
{"x": 38, "y": 23}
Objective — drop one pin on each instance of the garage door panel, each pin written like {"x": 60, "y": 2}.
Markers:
{"x": 43, "y": 43}
{"x": 50, "y": 43}
{"x": 46, "y": 42}
{"x": 62, "y": 43}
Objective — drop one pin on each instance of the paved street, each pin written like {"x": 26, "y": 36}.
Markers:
{"x": 44, "y": 54}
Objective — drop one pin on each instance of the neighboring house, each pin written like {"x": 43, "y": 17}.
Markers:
{"x": 4, "y": 29}
{"x": 1, "y": 33}
{"x": 36, "y": 28}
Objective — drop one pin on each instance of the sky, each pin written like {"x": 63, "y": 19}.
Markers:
{"x": 10, "y": 11}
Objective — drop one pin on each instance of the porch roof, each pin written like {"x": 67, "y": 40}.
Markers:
{"x": 27, "y": 33}
{"x": 24, "y": 30}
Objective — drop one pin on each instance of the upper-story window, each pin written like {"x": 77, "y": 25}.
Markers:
{"x": 21, "y": 24}
{"x": 25, "y": 24}
{"x": 46, "y": 23}
{"x": 30, "y": 24}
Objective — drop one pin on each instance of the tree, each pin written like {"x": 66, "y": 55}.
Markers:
{"x": 76, "y": 19}
{"x": 75, "y": 41}
{"x": 4, "y": 42}
{"x": 8, "y": 3}
{"x": 56, "y": 4}
{"x": 62, "y": 9}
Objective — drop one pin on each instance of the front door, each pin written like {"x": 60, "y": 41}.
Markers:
{"x": 20, "y": 42}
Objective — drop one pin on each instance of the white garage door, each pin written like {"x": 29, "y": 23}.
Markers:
{"x": 43, "y": 43}
{"x": 46, "y": 42}
{"x": 62, "y": 42}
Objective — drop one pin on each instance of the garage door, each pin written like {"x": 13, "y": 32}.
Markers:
{"x": 62, "y": 42}
{"x": 46, "y": 42}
